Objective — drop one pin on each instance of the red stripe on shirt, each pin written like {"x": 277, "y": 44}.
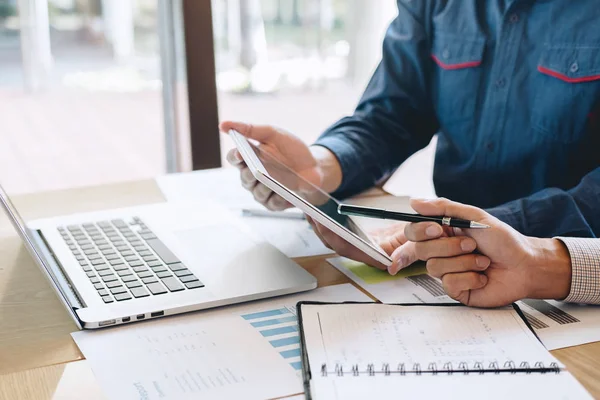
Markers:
{"x": 455, "y": 66}
{"x": 565, "y": 78}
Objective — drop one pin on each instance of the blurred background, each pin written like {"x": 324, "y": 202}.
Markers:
{"x": 98, "y": 91}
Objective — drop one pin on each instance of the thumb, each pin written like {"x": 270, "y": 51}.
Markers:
{"x": 445, "y": 207}
{"x": 260, "y": 133}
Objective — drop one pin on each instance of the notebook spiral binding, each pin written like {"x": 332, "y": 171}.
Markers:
{"x": 446, "y": 368}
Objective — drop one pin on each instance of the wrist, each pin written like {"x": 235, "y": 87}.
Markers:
{"x": 329, "y": 167}
{"x": 550, "y": 269}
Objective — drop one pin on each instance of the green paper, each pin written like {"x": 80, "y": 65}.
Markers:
{"x": 371, "y": 275}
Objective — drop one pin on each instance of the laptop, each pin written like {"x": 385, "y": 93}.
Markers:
{"x": 125, "y": 265}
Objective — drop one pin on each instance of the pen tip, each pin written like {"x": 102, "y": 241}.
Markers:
{"x": 478, "y": 225}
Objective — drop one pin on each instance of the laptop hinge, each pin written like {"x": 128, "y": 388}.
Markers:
{"x": 58, "y": 275}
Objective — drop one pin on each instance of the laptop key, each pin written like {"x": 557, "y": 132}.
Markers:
{"x": 118, "y": 222}
{"x": 95, "y": 279}
{"x": 101, "y": 267}
{"x": 163, "y": 252}
{"x": 105, "y": 272}
{"x": 103, "y": 292}
{"x": 194, "y": 284}
{"x": 113, "y": 284}
{"x": 84, "y": 262}
{"x": 107, "y": 299}
{"x": 127, "y": 253}
{"x": 120, "y": 267}
{"x": 108, "y": 252}
{"x": 80, "y": 258}
{"x": 164, "y": 274}
{"x": 95, "y": 256}
{"x": 183, "y": 272}
{"x": 118, "y": 290}
{"x": 90, "y": 274}
{"x": 135, "y": 263}
{"x": 113, "y": 257}
{"x": 140, "y": 269}
{"x": 97, "y": 262}
{"x": 129, "y": 278}
{"x": 123, "y": 296}
{"x": 124, "y": 273}
{"x": 172, "y": 284}
{"x": 133, "y": 284}
{"x": 149, "y": 280}
{"x": 98, "y": 286}
{"x": 177, "y": 267}
{"x": 145, "y": 274}
{"x": 109, "y": 278}
{"x": 144, "y": 253}
{"x": 156, "y": 288}
{"x": 139, "y": 292}
{"x": 132, "y": 258}
{"x": 86, "y": 268}
{"x": 151, "y": 259}
{"x": 148, "y": 236}
{"x": 159, "y": 268}
{"x": 72, "y": 247}
{"x": 188, "y": 278}
{"x": 116, "y": 262}
{"x": 105, "y": 247}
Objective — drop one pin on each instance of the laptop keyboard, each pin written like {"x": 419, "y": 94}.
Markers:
{"x": 125, "y": 260}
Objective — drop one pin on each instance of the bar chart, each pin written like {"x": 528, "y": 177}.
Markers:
{"x": 280, "y": 327}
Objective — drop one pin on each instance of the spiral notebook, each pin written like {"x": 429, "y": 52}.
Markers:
{"x": 381, "y": 351}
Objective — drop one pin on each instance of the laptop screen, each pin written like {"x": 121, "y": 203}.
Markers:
{"x": 30, "y": 243}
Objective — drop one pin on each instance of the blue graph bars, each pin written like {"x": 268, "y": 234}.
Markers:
{"x": 281, "y": 330}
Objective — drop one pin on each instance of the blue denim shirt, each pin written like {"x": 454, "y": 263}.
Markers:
{"x": 511, "y": 87}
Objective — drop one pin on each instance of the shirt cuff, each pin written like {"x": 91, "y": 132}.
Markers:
{"x": 585, "y": 273}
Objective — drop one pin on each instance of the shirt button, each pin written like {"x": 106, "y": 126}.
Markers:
{"x": 500, "y": 83}
{"x": 514, "y": 18}
{"x": 446, "y": 53}
{"x": 574, "y": 67}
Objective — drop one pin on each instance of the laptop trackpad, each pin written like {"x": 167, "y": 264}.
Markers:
{"x": 231, "y": 259}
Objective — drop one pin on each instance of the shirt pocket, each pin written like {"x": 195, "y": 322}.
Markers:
{"x": 568, "y": 89}
{"x": 457, "y": 76}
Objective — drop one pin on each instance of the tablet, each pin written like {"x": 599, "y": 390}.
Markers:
{"x": 313, "y": 201}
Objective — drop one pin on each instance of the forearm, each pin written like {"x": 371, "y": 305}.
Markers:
{"x": 329, "y": 167}
{"x": 565, "y": 269}
{"x": 549, "y": 269}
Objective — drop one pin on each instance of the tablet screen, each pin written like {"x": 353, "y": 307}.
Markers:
{"x": 310, "y": 193}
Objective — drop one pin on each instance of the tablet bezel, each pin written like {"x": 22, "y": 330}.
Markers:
{"x": 261, "y": 174}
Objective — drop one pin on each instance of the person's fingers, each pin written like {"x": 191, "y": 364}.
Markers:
{"x": 418, "y": 232}
{"x": 444, "y": 247}
{"x": 248, "y": 180}
{"x": 278, "y": 203}
{"x": 316, "y": 231}
{"x": 261, "y": 193}
{"x": 402, "y": 257}
{"x": 261, "y": 133}
{"x": 459, "y": 285}
{"x": 235, "y": 158}
{"x": 438, "y": 267}
{"x": 445, "y": 207}
{"x": 389, "y": 243}
{"x": 345, "y": 249}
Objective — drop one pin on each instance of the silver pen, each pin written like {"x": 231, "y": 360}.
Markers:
{"x": 251, "y": 212}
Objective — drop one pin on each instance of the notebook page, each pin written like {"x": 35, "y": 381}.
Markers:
{"x": 457, "y": 386}
{"x": 378, "y": 334}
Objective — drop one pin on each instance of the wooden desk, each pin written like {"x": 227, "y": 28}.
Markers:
{"x": 39, "y": 360}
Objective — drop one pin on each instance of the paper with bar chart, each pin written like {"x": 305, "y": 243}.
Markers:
{"x": 249, "y": 351}
{"x": 411, "y": 285}
{"x": 560, "y": 325}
